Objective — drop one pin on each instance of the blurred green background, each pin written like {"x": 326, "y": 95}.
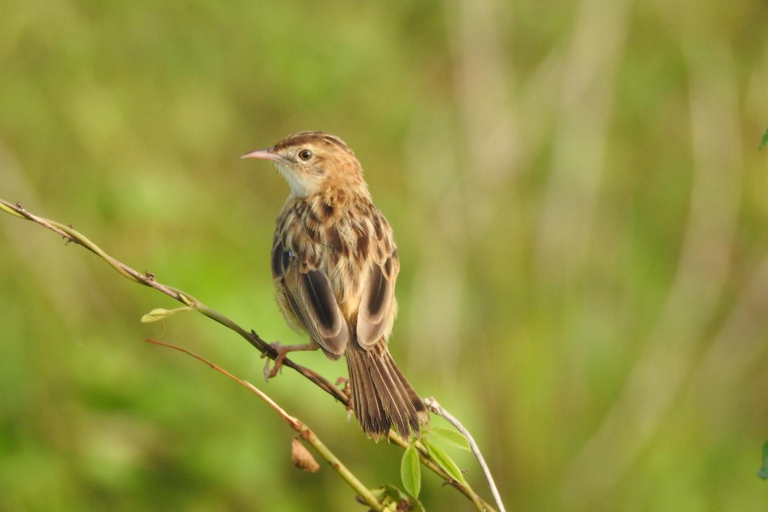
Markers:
{"x": 577, "y": 195}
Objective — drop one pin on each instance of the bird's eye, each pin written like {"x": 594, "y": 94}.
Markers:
{"x": 305, "y": 154}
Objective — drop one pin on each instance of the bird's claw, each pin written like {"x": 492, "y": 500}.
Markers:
{"x": 344, "y": 383}
{"x": 279, "y": 358}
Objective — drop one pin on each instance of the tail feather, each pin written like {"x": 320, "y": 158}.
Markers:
{"x": 382, "y": 397}
{"x": 368, "y": 408}
{"x": 414, "y": 399}
{"x": 398, "y": 409}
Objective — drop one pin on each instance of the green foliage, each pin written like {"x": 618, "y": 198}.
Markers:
{"x": 448, "y": 436}
{"x": 444, "y": 461}
{"x": 394, "y": 499}
{"x": 764, "y": 141}
{"x": 161, "y": 314}
{"x": 580, "y": 216}
{"x": 410, "y": 471}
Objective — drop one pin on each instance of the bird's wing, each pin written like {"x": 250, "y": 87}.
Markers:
{"x": 377, "y": 310}
{"x": 310, "y": 296}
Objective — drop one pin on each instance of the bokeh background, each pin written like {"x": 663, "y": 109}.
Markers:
{"x": 577, "y": 194}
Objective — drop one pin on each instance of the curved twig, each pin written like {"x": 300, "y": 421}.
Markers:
{"x": 433, "y": 405}
{"x": 304, "y": 431}
{"x": 148, "y": 279}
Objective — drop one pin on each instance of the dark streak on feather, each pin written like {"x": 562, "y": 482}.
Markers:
{"x": 277, "y": 260}
{"x": 377, "y": 227}
{"x": 376, "y": 298}
{"x": 335, "y": 242}
{"x": 322, "y": 301}
{"x": 363, "y": 242}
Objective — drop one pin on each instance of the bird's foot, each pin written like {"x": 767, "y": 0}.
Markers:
{"x": 282, "y": 351}
{"x": 344, "y": 383}
{"x": 347, "y": 391}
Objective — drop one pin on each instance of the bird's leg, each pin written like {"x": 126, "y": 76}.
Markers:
{"x": 345, "y": 389}
{"x": 282, "y": 351}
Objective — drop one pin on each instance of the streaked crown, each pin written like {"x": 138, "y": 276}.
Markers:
{"x": 313, "y": 161}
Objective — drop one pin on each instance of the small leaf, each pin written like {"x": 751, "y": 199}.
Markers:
{"x": 388, "y": 492}
{"x": 763, "y": 473}
{"x": 392, "y": 498}
{"x": 415, "y": 505}
{"x": 449, "y": 437}
{"x": 444, "y": 461}
{"x": 160, "y": 314}
{"x": 410, "y": 471}
{"x": 764, "y": 142}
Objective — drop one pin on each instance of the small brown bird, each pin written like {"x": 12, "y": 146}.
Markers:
{"x": 334, "y": 267}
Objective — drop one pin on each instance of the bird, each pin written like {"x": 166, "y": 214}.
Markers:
{"x": 334, "y": 266}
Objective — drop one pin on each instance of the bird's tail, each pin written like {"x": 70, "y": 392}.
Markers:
{"x": 381, "y": 396}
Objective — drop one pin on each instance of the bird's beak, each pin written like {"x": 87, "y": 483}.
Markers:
{"x": 264, "y": 154}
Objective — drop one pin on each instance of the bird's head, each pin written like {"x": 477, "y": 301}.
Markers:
{"x": 313, "y": 161}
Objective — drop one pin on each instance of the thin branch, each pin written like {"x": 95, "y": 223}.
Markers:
{"x": 304, "y": 431}
{"x": 436, "y": 408}
{"x": 427, "y": 461}
{"x": 148, "y": 279}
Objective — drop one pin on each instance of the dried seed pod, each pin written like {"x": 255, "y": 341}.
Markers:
{"x": 301, "y": 458}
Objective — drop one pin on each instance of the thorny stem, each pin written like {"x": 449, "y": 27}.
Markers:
{"x": 148, "y": 279}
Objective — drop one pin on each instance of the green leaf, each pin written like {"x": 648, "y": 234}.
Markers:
{"x": 763, "y": 473}
{"x": 410, "y": 471}
{"x": 388, "y": 493}
{"x": 764, "y": 142}
{"x": 392, "y": 497}
{"x": 449, "y": 437}
{"x": 444, "y": 461}
{"x": 160, "y": 314}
